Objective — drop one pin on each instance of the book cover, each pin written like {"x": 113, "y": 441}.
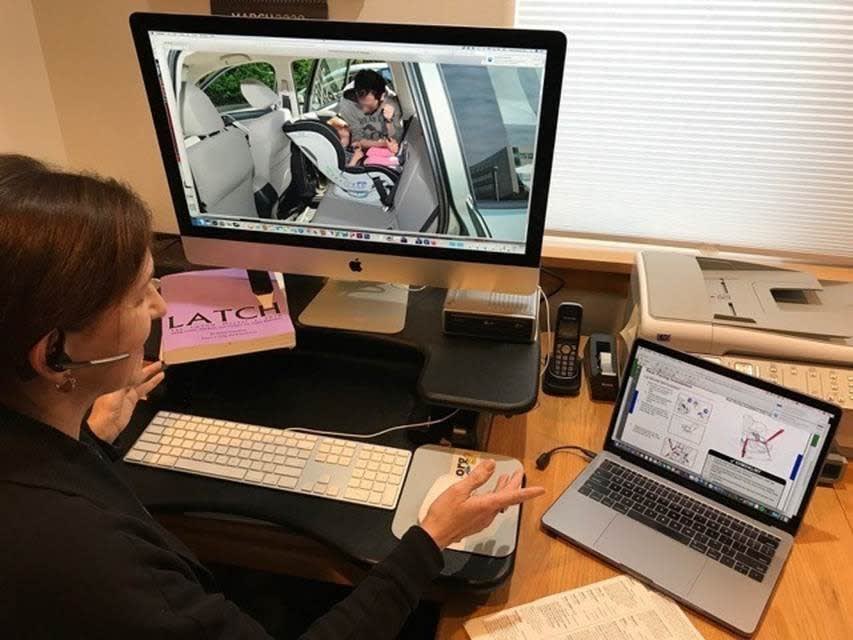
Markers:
{"x": 214, "y": 314}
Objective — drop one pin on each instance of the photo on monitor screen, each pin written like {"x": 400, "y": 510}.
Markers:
{"x": 374, "y": 140}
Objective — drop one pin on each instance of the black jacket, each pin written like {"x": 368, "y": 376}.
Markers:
{"x": 80, "y": 557}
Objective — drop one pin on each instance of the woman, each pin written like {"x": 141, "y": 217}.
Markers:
{"x": 79, "y": 555}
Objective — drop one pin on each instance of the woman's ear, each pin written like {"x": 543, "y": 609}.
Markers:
{"x": 43, "y": 361}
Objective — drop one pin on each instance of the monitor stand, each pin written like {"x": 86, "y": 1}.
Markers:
{"x": 358, "y": 306}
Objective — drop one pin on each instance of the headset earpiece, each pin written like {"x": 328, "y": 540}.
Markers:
{"x": 54, "y": 354}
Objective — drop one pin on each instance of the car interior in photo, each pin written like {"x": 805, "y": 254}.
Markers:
{"x": 270, "y": 137}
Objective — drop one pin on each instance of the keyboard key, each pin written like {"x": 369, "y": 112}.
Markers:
{"x": 207, "y": 468}
{"x": 751, "y": 562}
{"x": 765, "y": 539}
{"x": 651, "y": 522}
{"x": 359, "y": 495}
{"x": 389, "y": 495}
{"x": 756, "y": 575}
{"x": 699, "y": 547}
{"x": 287, "y": 482}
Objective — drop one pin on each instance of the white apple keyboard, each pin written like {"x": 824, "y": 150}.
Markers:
{"x": 331, "y": 468}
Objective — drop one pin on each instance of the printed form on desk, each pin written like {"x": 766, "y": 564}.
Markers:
{"x": 620, "y": 608}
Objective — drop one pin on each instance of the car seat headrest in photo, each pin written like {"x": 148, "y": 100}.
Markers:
{"x": 198, "y": 115}
{"x": 257, "y": 94}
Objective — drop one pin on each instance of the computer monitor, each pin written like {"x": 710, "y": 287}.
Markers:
{"x": 360, "y": 152}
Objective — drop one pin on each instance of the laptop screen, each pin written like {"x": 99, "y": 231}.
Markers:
{"x": 751, "y": 445}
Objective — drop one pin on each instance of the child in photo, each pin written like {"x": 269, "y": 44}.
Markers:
{"x": 354, "y": 155}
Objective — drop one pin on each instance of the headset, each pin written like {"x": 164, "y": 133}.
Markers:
{"x": 60, "y": 361}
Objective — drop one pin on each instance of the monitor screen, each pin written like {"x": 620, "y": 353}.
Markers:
{"x": 751, "y": 445}
{"x": 431, "y": 145}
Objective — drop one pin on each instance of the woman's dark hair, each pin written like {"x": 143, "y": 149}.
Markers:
{"x": 71, "y": 246}
{"x": 369, "y": 81}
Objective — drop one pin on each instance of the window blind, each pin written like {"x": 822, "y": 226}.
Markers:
{"x": 722, "y": 122}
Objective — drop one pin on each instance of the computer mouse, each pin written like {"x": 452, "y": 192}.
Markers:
{"x": 438, "y": 487}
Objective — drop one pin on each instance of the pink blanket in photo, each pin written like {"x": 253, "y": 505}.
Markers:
{"x": 382, "y": 157}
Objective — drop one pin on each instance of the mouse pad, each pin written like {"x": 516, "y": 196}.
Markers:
{"x": 430, "y": 462}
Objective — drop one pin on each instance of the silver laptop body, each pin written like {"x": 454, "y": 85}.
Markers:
{"x": 702, "y": 484}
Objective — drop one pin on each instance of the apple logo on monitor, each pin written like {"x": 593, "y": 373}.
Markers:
{"x": 355, "y": 265}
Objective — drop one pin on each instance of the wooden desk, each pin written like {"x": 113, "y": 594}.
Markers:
{"x": 814, "y": 598}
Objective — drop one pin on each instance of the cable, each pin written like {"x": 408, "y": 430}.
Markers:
{"x": 544, "y": 458}
{"x": 547, "y": 331}
{"x": 557, "y": 277}
{"x": 368, "y": 436}
{"x": 408, "y": 287}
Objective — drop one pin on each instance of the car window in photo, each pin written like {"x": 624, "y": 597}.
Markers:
{"x": 496, "y": 111}
{"x": 329, "y": 80}
{"x": 223, "y": 86}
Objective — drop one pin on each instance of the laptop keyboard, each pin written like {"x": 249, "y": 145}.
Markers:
{"x": 725, "y": 539}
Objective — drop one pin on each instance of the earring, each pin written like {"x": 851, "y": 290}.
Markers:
{"x": 68, "y": 384}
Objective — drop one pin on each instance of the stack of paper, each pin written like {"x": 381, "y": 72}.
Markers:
{"x": 616, "y": 609}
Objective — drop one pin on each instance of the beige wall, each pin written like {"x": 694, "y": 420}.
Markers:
{"x": 28, "y": 121}
{"x": 100, "y": 101}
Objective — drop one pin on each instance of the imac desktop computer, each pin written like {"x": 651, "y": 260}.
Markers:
{"x": 378, "y": 156}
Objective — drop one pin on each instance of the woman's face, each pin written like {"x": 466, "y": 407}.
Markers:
{"x": 123, "y": 328}
{"x": 368, "y": 102}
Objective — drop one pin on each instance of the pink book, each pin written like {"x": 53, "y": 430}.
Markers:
{"x": 214, "y": 314}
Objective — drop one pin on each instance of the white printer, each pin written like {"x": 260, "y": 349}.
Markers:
{"x": 777, "y": 324}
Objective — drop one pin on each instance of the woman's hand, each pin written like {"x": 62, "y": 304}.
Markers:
{"x": 457, "y": 513}
{"x": 112, "y": 411}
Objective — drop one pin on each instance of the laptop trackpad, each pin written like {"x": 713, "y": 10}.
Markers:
{"x": 668, "y": 564}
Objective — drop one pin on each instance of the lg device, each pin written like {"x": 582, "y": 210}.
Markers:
{"x": 361, "y": 152}
{"x": 703, "y": 482}
{"x": 564, "y": 373}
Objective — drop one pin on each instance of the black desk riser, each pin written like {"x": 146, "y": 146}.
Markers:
{"x": 347, "y": 382}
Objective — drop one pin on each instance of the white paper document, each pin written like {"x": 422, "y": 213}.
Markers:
{"x": 616, "y": 609}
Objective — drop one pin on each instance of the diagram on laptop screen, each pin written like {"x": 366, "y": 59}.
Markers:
{"x": 693, "y": 407}
{"x": 690, "y": 417}
{"x": 679, "y": 453}
{"x": 757, "y": 440}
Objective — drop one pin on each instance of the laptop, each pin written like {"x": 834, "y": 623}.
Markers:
{"x": 703, "y": 482}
